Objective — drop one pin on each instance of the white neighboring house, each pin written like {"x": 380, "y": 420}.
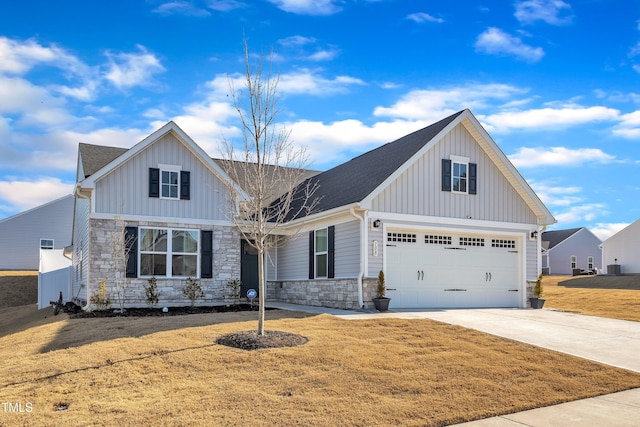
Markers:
{"x": 623, "y": 250}
{"x": 22, "y": 236}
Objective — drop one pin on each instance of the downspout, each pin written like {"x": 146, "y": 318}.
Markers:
{"x": 363, "y": 254}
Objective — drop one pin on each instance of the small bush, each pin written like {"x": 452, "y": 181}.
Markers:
{"x": 102, "y": 300}
{"x": 537, "y": 289}
{"x": 381, "y": 287}
{"x": 234, "y": 290}
{"x": 151, "y": 291}
{"x": 192, "y": 290}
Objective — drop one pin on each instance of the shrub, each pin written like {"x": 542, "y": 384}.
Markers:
{"x": 537, "y": 289}
{"x": 151, "y": 291}
{"x": 381, "y": 288}
{"x": 192, "y": 290}
{"x": 234, "y": 290}
{"x": 102, "y": 300}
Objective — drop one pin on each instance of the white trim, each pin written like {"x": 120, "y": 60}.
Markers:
{"x": 459, "y": 159}
{"x": 166, "y": 220}
{"x": 316, "y": 253}
{"x": 169, "y": 252}
{"x": 444, "y": 221}
{"x": 169, "y": 168}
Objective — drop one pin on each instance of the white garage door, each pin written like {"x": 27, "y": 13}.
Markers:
{"x": 425, "y": 269}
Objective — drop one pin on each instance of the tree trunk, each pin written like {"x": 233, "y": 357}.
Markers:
{"x": 262, "y": 290}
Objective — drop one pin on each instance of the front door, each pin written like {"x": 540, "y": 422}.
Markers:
{"x": 248, "y": 268}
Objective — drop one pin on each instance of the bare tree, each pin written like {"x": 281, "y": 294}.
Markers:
{"x": 270, "y": 169}
{"x": 121, "y": 246}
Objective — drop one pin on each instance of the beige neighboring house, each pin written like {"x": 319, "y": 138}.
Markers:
{"x": 47, "y": 226}
{"x": 441, "y": 211}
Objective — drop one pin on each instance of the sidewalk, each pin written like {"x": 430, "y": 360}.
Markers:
{"x": 610, "y": 341}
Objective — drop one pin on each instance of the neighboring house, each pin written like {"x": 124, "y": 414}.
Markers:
{"x": 621, "y": 252}
{"x": 22, "y": 236}
{"x": 442, "y": 211}
{"x": 569, "y": 252}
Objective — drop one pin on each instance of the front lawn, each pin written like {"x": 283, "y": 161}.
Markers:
{"x": 616, "y": 297}
{"x": 169, "y": 371}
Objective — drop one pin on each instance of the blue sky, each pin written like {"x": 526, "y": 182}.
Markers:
{"x": 554, "y": 82}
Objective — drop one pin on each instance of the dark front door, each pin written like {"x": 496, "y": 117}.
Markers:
{"x": 248, "y": 268}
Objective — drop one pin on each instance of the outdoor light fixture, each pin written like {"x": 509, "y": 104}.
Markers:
{"x": 534, "y": 235}
{"x": 376, "y": 224}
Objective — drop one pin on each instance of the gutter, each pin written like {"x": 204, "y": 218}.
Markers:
{"x": 363, "y": 254}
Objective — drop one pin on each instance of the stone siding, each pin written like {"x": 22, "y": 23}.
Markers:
{"x": 332, "y": 293}
{"x": 102, "y": 265}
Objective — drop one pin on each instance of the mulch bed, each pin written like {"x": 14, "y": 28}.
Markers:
{"x": 172, "y": 311}
{"x": 250, "y": 340}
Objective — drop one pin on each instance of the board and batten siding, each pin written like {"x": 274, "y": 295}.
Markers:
{"x": 293, "y": 255}
{"x": 418, "y": 190}
{"x": 125, "y": 190}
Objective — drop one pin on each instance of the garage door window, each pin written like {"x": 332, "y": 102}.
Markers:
{"x": 471, "y": 241}
{"x": 432, "y": 239}
{"x": 503, "y": 243}
{"x": 402, "y": 237}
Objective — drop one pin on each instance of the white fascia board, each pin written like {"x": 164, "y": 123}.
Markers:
{"x": 453, "y": 223}
{"x": 331, "y": 217}
{"x": 505, "y": 166}
{"x": 157, "y": 219}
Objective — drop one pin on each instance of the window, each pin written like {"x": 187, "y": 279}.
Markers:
{"x": 437, "y": 240}
{"x": 471, "y": 241}
{"x": 46, "y": 243}
{"x": 168, "y": 252}
{"x": 321, "y": 252}
{"x": 503, "y": 243}
{"x": 170, "y": 185}
{"x": 402, "y": 237}
{"x": 574, "y": 262}
{"x": 459, "y": 177}
{"x": 590, "y": 262}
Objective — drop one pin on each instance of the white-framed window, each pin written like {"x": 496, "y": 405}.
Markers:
{"x": 170, "y": 181}
{"x": 574, "y": 262}
{"x": 590, "y": 262}
{"x": 459, "y": 174}
{"x": 167, "y": 252}
{"x": 46, "y": 243}
{"x": 321, "y": 252}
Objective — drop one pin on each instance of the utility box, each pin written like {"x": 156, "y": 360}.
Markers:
{"x": 614, "y": 269}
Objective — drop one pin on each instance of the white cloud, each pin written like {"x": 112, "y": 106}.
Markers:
{"x": 629, "y": 126}
{"x": 548, "y": 118}
{"x": 434, "y": 104}
{"x": 494, "y": 41}
{"x": 421, "y": 17}
{"x": 558, "y": 156}
{"x": 225, "y": 5}
{"x": 556, "y": 195}
{"x": 23, "y": 195}
{"x": 133, "y": 69}
{"x": 554, "y": 12}
{"x": 323, "y": 55}
{"x": 296, "y": 41}
{"x": 581, "y": 213}
{"x": 308, "y": 7}
{"x": 605, "y": 230}
{"x": 181, "y": 8}
{"x": 18, "y": 57}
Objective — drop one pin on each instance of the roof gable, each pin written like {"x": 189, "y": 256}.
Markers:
{"x": 555, "y": 237}
{"x": 101, "y": 160}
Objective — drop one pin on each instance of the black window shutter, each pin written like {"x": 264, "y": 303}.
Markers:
{"x": 131, "y": 248}
{"x": 154, "y": 182}
{"x": 185, "y": 185}
{"x": 446, "y": 175}
{"x": 312, "y": 255}
{"x": 473, "y": 178}
{"x": 206, "y": 254}
{"x": 331, "y": 270}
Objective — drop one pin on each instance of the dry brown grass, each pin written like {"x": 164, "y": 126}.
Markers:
{"x": 168, "y": 371}
{"x": 616, "y": 297}
{"x": 18, "y": 288}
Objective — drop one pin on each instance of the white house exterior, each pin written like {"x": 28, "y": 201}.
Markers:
{"x": 571, "y": 251}
{"x": 47, "y": 226}
{"x": 623, "y": 250}
{"x": 442, "y": 211}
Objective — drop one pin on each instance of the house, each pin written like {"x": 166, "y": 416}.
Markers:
{"x": 620, "y": 252}
{"x": 571, "y": 252}
{"x": 442, "y": 211}
{"x": 47, "y": 226}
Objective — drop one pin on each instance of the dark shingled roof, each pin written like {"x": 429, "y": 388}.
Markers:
{"x": 94, "y": 157}
{"x": 354, "y": 180}
{"x": 556, "y": 237}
